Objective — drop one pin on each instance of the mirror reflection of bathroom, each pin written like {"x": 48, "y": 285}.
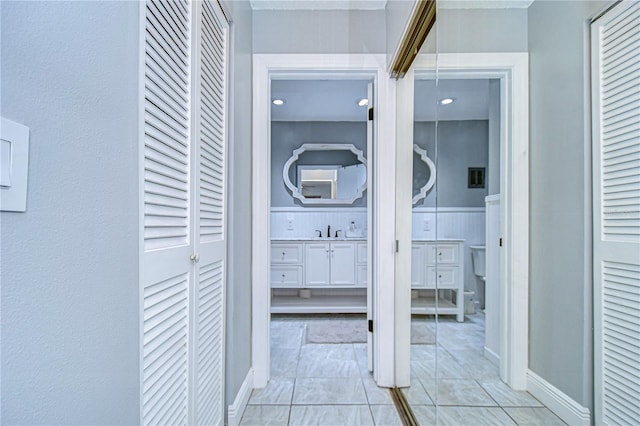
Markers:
{"x": 319, "y": 273}
{"x": 454, "y": 332}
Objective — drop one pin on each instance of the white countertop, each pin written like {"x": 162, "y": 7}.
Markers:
{"x": 324, "y": 239}
{"x": 317, "y": 239}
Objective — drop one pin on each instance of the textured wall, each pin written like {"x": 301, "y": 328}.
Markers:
{"x": 70, "y": 263}
{"x": 319, "y": 31}
{"x": 461, "y": 144}
{"x": 289, "y": 135}
{"x": 478, "y": 30}
{"x": 560, "y": 286}
{"x": 238, "y": 337}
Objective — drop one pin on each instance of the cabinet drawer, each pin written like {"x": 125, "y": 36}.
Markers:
{"x": 286, "y": 276}
{"x": 361, "y": 276}
{"x": 362, "y": 253}
{"x": 447, "y": 277}
{"x": 286, "y": 253}
{"x": 443, "y": 253}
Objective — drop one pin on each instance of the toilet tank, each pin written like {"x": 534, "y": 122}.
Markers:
{"x": 479, "y": 260}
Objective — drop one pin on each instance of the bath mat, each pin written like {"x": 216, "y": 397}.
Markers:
{"x": 355, "y": 331}
{"x": 337, "y": 331}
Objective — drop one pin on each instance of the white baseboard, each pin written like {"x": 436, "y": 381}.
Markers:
{"x": 557, "y": 401}
{"x": 492, "y": 356}
{"x": 235, "y": 410}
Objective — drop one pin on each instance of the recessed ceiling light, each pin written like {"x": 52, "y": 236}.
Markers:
{"x": 446, "y": 101}
{"x": 363, "y": 102}
{"x": 278, "y": 102}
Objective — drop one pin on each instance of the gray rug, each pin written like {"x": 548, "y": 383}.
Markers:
{"x": 355, "y": 331}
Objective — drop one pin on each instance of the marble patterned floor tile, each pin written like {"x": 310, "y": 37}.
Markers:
{"x": 476, "y": 364}
{"x": 473, "y": 416}
{"x": 362, "y": 358}
{"x": 416, "y": 394}
{"x": 375, "y": 394}
{"x": 507, "y": 397}
{"x": 317, "y": 391}
{"x": 458, "y": 392}
{"x": 533, "y": 416}
{"x": 284, "y": 362}
{"x": 447, "y": 367}
{"x": 328, "y": 360}
{"x": 265, "y": 415}
{"x": 385, "y": 415}
{"x": 307, "y": 415}
{"x": 286, "y": 335}
{"x": 279, "y": 391}
{"x": 424, "y": 414}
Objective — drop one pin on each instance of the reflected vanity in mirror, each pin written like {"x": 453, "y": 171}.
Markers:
{"x": 334, "y": 174}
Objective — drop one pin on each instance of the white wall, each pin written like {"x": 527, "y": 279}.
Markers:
{"x": 70, "y": 263}
{"x": 561, "y": 284}
{"x": 238, "y": 338}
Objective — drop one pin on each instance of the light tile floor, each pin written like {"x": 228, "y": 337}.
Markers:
{"x": 328, "y": 384}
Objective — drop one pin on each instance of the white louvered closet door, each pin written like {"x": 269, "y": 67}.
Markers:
{"x": 210, "y": 102}
{"x": 615, "y": 44}
{"x": 183, "y": 191}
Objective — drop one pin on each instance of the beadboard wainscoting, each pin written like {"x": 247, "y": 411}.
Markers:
{"x": 301, "y": 222}
{"x": 467, "y": 223}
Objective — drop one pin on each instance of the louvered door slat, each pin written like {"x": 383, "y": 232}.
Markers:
{"x": 211, "y": 205}
{"x": 166, "y": 211}
{"x": 616, "y": 174}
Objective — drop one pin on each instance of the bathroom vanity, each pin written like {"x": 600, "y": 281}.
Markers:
{"x": 437, "y": 277}
{"x": 330, "y": 276}
{"x": 323, "y": 275}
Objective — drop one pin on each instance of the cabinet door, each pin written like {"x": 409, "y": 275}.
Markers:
{"x": 418, "y": 266}
{"x": 317, "y": 264}
{"x": 343, "y": 261}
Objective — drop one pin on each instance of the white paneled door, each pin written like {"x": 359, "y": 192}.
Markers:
{"x": 615, "y": 42}
{"x": 183, "y": 201}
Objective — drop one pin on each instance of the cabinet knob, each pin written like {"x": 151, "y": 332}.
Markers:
{"x": 283, "y": 254}
{"x": 440, "y": 254}
{"x": 195, "y": 258}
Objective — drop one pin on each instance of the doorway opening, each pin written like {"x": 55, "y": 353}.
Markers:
{"x": 269, "y": 69}
{"x": 320, "y": 139}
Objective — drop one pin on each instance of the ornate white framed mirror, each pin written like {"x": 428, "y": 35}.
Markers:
{"x": 418, "y": 175}
{"x": 329, "y": 174}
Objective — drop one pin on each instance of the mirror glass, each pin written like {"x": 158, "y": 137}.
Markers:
{"x": 326, "y": 174}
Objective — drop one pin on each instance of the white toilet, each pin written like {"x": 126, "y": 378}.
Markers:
{"x": 478, "y": 258}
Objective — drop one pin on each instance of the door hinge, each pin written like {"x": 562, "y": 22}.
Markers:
{"x": 370, "y": 114}
{"x": 500, "y": 242}
{"x": 370, "y": 326}
{"x": 397, "y": 246}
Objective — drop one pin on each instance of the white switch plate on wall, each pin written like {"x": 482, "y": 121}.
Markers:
{"x": 14, "y": 166}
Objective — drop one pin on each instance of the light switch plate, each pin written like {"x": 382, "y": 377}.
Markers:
{"x": 14, "y": 166}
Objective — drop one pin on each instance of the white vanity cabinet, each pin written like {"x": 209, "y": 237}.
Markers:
{"x": 330, "y": 264}
{"x": 318, "y": 276}
{"x": 437, "y": 270}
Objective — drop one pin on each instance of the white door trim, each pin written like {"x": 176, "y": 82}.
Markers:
{"x": 266, "y": 66}
{"x": 513, "y": 71}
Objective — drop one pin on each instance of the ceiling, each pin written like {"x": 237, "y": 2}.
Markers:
{"x": 380, "y": 4}
{"x": 337, "y": 100}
